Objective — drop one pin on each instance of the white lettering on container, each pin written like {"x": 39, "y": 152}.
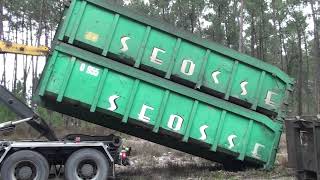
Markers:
{"x": 172, "y": 119}
{"x": 243, "y": 85}
{"x": 142, "y": 115}
{"x": 112, "y": 101}
{"x": 215, "y": 76}
{"x": 124, "y": 40}
{"x": 203, "y": 132}
{"x": 93, "y": 71}
{"x": 230, "y": 140}
{"x": 154, "y": 54}
{"x": 90, "y": 69}
{"x": 255, "y": 152}
{"x": 184, "y": 66}
{"x": 268, "y": 99}
{"x": 82, "y": 67}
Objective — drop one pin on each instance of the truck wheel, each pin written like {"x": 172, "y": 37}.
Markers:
{"x": 87, "y": 164}
{"x": 25, "y": 165}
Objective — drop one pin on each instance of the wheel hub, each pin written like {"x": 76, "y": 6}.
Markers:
{"x": 25, "y": 170}
{"x": 87, "y": 169}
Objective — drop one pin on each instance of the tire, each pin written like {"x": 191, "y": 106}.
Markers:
{"x": 87, "y": 164}
{"x": 25, "y": 164}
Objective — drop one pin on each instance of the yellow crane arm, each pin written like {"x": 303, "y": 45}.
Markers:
{"x": 14, "y": 48}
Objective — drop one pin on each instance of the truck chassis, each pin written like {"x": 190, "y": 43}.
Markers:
{"x": 56, "y": 153}
{"x": 82, "y": 156}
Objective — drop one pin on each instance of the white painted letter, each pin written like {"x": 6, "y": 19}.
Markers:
{"x": 172, "y": 118}
{"x": 243, "y": 85}
{"x": 184, "y": 66}
{"x": 230, "y": 140}
{"x": 215, "y": 76}
{"x": 112, "y": 101}
{"x": 141, "y": 115}
{"x": 154, "y": 54}
{"x": 203, "y": 132}
{"x": 82, "y": 67}
{"x": 256, "y": 150}
{"x": 268, "y": 99}
{"x": 124, "y": 40}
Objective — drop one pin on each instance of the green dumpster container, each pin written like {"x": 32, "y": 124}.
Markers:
{"x": 160, "y": 49}
{"x": 94, "y": 88}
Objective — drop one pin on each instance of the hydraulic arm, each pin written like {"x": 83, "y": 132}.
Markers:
{"x": 14, "y": 48}
{"x": 23, "y": 111}
{"x": 9, "y": 100}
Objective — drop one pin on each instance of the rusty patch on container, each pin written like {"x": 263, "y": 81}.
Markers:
{"x": 91, "y": 36}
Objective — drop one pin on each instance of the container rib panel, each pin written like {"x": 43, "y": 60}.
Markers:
{"x": 99, "y": 90}
{"x": 160, "y": 49}
{"x": 130, "y": 99}
{"x": 66, "y": 79}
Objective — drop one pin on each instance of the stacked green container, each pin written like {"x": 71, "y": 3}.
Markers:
{"x": 160, "y": 49}
{"x": 129, "y": 73}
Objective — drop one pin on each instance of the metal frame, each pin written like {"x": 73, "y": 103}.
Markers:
{"x": 15, "y": 48}
{"x": 303, "y": 136}
{"x": 23, "y": 111}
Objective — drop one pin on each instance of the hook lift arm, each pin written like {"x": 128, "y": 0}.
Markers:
{"x": 15, "y": 48}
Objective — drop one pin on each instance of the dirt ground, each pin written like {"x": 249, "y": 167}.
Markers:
{"x": 203, "y": 172}
{"x": 161, "y": 163}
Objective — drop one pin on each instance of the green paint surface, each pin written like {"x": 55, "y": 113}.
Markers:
{"x": 187, "y": 113}
{"x": 218, "y": 63}
{"x": 136, "y": 36}
{"x": 91, "y": 25}
{"x": 166, "y": 44}
{"x": 124, "y": 84}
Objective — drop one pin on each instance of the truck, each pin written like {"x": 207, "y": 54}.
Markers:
{"x": 76, "y": 155}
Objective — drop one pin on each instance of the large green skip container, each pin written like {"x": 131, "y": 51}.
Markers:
{"x": 160, "y": 49}
{"x": 94, "y": 88}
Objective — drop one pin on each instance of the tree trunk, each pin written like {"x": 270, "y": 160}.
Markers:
{"x": 3, "y": 76}
{"x": 317, "y": 96}
{"x": 14, "y": 85}
{"x": 278, "y": 32}
{"x": 306, "y": 76}
{"x": 280, "y": 41}
{"x": 316, "y": 52}
{"x": 253, "y": 36}
{"x": 192, "y": 18}
{"x": 300, "y": 74}
{"x": 316, "y": 26}
{"x": 241, "y": 28}
{"x": 25, "y": 61}
{"x": 1, "y": 20}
